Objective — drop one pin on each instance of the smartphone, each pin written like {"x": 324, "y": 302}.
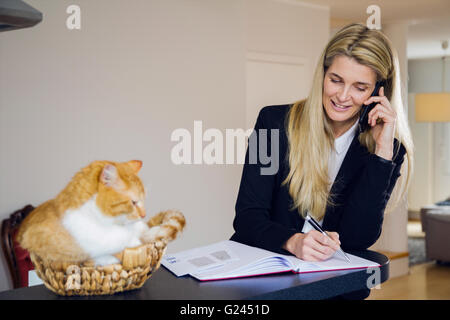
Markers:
{"x": 364, "y": 117}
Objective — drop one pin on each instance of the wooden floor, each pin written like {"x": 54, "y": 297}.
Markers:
{"x": 425, "y": 281}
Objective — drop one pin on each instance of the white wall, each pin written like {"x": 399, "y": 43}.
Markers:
{"x": 284, "y": 42}
{"x": 117, "y": 88}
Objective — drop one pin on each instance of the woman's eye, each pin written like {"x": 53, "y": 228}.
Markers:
{"x": 361, "y": 89}
{"x": 334, "y": 81}
{"x": 134, "y": 202}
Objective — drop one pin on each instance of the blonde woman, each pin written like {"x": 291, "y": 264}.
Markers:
{"x": 329, "y": 168}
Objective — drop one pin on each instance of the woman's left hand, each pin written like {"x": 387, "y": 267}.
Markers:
{"x": 382, "y": 119}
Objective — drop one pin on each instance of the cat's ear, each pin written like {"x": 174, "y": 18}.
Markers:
{"x": 109, "y": 175}
{"x": 136, "y": 165}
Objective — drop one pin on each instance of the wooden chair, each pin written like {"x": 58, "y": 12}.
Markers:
{"x": 9, "y": 229}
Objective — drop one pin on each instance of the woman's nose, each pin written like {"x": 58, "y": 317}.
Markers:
{"x": 343, "y": 94}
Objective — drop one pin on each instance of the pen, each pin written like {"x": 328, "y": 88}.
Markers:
{"x": 316, "y": 226}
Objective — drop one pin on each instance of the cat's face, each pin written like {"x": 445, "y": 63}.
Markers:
{"x": 121, "y": 193}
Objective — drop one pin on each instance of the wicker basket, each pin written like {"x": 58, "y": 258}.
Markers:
{"x": 138, "y": 264}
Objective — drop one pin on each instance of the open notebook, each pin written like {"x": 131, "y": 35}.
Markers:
{"x": 229, "y": 259}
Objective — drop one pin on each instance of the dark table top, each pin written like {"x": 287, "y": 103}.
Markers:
{"x": 163, "y": 285}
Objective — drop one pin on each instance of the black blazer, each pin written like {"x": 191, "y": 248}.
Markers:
{"x": 362, "y": 189}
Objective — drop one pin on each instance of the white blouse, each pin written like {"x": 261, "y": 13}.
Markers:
{"x": 337, "y": 155}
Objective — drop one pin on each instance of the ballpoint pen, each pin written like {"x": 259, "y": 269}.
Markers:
{"x": 316, "y": 226}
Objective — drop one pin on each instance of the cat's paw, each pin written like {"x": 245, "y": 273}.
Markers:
{"x": 152, "y": 234}
{"x": 106, "y": 260}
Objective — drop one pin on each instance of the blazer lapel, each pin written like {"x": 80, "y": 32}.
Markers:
{"x": 354, "y": 159}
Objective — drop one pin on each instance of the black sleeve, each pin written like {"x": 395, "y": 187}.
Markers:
{"x": 362, "y": 219}
{"x": 252, "y": 223}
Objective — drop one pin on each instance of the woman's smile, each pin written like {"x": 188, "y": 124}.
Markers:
{"x": 338, "y": 107}
{"x": 346, "y": 85}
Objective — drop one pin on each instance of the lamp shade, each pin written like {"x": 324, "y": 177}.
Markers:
{"x": 433, "y": 107}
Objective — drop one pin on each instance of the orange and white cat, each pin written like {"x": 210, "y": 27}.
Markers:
{"x": 97, "y": 215}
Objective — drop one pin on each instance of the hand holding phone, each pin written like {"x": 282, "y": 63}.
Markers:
{"x": 364, "y": 117}
{"x": 383, "y": 118}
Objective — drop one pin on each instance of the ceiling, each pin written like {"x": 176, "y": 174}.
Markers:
{"x": 428, "y": 20}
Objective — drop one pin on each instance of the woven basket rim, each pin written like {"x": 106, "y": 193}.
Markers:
{"x": 83, "y": 278}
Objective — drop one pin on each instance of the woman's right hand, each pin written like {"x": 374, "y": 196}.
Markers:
{"x": 313, "y": 246}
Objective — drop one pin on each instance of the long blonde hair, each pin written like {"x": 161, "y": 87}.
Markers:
{"x": 310, "y": 135}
